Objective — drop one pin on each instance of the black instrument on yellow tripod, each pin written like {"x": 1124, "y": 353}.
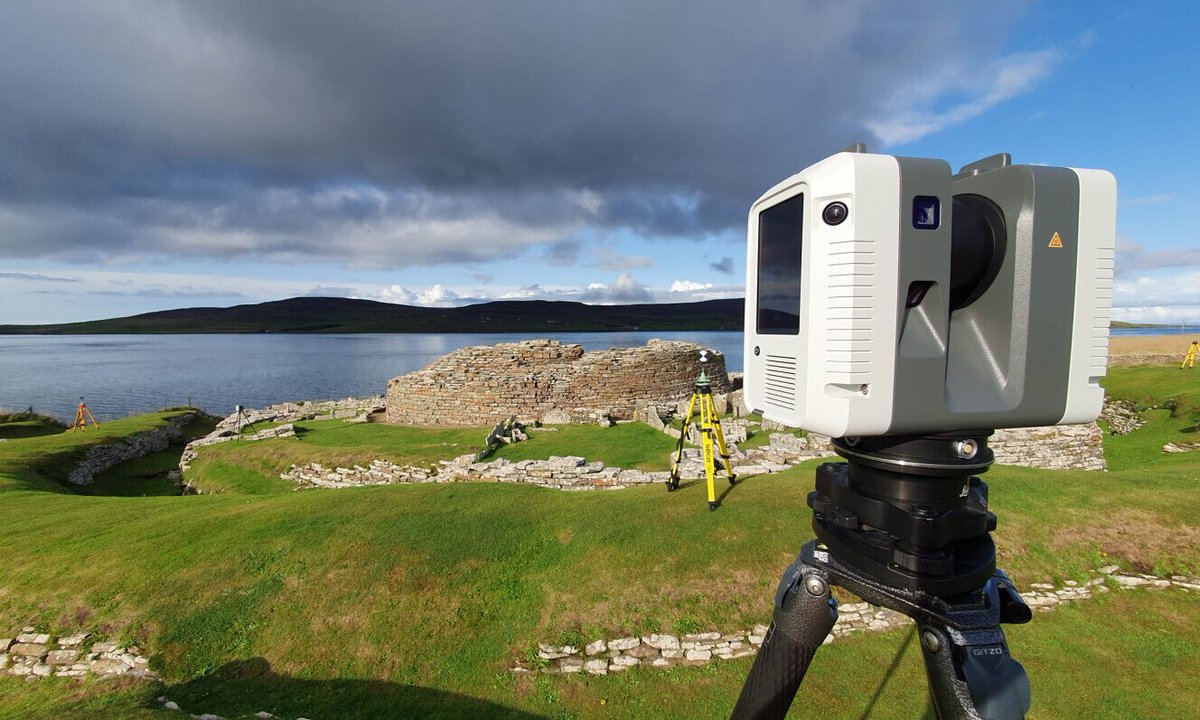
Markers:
{"x": 82, "y": 415}
{"x": 710, "y": 430}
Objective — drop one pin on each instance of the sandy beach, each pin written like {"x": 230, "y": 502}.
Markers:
{"x": 1149, "y": 349}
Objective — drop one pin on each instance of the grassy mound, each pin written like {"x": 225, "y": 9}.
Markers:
{"x": 396, "y": 600}
{"x": 28, "y": 424}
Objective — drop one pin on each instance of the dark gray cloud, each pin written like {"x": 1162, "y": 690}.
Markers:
{"x": 161, "y": 292}
{"x": 36, "y": 277}
{"x": 327, "y": 291}
{"x": 723, "y": 266}
{"x": 1133, "y": 258}
{"x": 394, "y": 133}
{"x": 607, "y": 258}
{"x": 563, "y": 252}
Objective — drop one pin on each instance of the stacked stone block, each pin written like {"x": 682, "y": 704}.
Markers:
{"x": 1060, "y": 447}
{"x": 561, "y": 473}
{"x": 32, "y": 655}
{"x": 101, "y": 458}
{"x": 548, "y": 381}
{"x": 604, "y": 656}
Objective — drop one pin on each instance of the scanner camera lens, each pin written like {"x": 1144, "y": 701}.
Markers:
{"x": 834, "y": 213}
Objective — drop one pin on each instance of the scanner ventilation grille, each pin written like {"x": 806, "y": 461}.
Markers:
{"x": 1098, "y": 357}
{"x": 779, "y": 388}
{"x": 851, "y": 295}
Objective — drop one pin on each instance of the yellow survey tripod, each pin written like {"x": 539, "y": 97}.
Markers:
{"x": 710, "y": 428}
{"x": 1189, "y": 360}
{"x": 82, "y": 415}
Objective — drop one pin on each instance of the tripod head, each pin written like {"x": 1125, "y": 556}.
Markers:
{"x": 902, "y": 523}
{"x": 908, "y": 511}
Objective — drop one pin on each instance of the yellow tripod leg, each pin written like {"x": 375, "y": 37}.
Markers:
{"x": 93, "y": 417}
{"x": 721, "y": 441}
{"x": 706, "y": 431}
{"x": 673, "y": 480}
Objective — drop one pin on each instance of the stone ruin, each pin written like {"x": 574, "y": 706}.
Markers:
{"x": 602, "y": 656}
{"x": 550, "y": 382}
{"x": 31, "y": 655}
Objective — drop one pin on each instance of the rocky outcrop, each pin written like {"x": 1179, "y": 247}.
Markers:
{"x": 551, "y": 382}
{"x": 101, "y": 458}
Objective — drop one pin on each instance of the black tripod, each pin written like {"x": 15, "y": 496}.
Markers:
{"x": 242, "y": 416}
{"x": 902, "y": 524}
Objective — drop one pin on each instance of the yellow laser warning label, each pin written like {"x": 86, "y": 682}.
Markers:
{"x": 1055, "y": 241}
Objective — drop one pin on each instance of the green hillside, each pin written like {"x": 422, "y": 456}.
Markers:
{"x": 413, "y": 601}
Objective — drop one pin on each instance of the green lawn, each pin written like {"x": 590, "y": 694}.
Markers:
{"x": 254, "y": 467}
{"x": 629, "y": 445}
{"x": 416, "y": 599}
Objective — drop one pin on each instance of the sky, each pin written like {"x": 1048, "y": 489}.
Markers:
{"x": 158, "y": 154}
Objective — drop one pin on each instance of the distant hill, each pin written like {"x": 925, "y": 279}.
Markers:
{"x": 343, "y": 315}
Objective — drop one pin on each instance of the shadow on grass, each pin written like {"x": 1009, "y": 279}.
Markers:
{"x": 930, "y": 713}
{"x": 17, "y": 430}
{"x": 245, "y": 687}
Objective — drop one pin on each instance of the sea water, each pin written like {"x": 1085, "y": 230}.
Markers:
{"x": 121, "y": 375}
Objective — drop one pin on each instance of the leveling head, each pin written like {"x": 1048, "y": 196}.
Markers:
{"x": 702, "y": 383}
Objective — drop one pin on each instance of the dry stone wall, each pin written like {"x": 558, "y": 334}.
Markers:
{"x": 101, "y": 458}
{"x": 560, "y": 473}
{"x": 604, "y": 656}
{"x": 548, "y": 381}
{"x": 1061, "y": 447}
{"x": 31, "y": 654}
{"x": 350, "y": 410}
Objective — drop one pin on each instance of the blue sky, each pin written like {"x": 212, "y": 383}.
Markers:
{"x": 157, "y": 155}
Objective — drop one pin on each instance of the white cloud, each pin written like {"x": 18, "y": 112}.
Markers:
{"x": 432, "y": 296}
{"x": 115, "y": 293}
{"x": 625, "y": 289}
{"x": 1159, "y": 295}
{"x": 910, "y": 118}
{"x": 1148, "y": 199}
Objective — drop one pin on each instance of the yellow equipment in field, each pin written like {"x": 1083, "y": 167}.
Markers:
{"x": 710, "y": 431}
{"x": 82, "y": 415}
{"x": 1189, "y": 360}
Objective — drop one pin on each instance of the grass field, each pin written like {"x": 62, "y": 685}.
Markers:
{"x": 414, "y": 600}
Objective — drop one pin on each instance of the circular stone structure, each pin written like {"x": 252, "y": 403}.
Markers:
{"x": 551, "y": 382}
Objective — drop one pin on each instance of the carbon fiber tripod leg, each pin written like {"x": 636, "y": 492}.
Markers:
{"x": 972, "y": 676}
{"x": 804, "y": 614}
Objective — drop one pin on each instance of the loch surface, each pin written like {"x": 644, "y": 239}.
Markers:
{"x": 121, "y": 375}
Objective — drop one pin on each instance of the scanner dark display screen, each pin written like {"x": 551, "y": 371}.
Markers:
{"x": 780, "y": 232}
